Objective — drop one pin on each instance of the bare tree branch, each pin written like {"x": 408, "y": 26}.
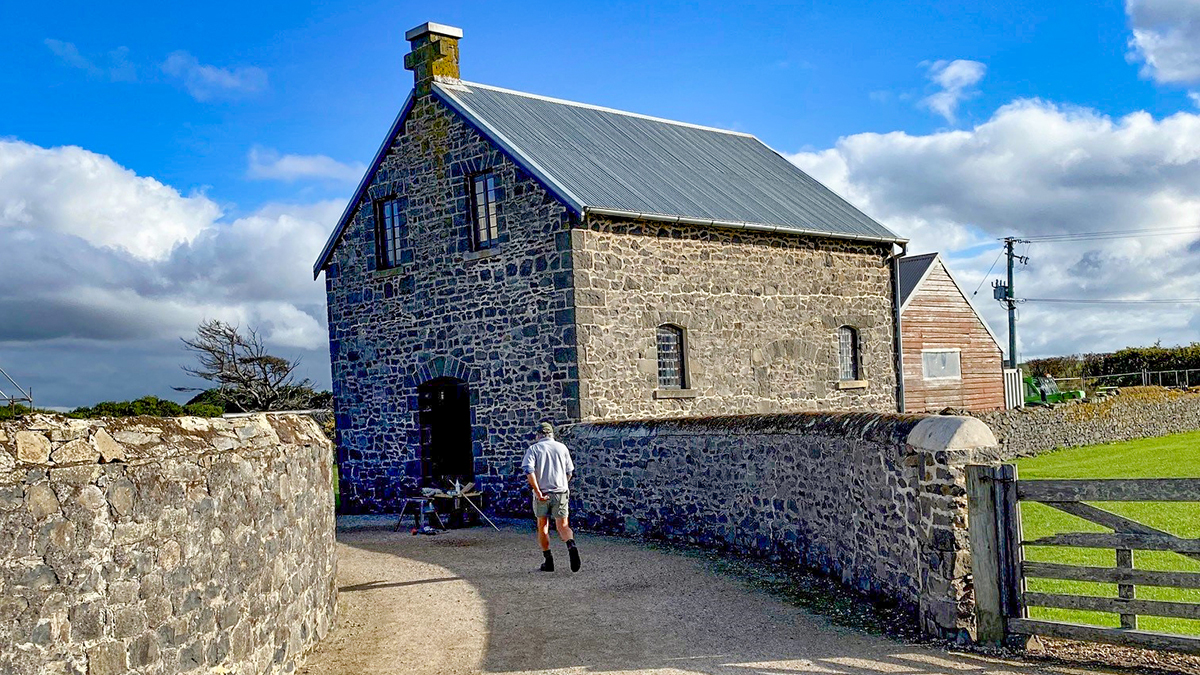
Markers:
{"x": 246, "y": 375}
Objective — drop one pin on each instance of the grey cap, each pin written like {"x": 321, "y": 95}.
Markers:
{"x": 545, "y": 429}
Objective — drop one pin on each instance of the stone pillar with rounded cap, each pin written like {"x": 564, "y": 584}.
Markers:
{"x": 434, "y": 54}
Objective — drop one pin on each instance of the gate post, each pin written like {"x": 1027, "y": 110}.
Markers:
{"x": 995, "y": 531}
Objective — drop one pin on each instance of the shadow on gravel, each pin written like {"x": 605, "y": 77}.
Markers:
{"x": 375, "y": 585}
{"x": 635, "y": 608}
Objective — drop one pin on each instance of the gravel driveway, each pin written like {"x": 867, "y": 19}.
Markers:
{"x": 471, "y": 601}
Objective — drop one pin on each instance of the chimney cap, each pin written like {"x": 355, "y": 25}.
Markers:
{"x": 434, "y": 28}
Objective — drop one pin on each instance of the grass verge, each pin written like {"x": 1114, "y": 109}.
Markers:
{"x": 1176, "y": 456}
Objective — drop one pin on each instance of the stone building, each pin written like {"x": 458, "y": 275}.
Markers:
{"x": 509, "y": 258}
{"x": 952, "y": 358}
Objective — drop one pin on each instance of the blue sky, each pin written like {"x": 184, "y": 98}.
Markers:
{"x": 798, "y": 76}
{"x": 203, "y": 132}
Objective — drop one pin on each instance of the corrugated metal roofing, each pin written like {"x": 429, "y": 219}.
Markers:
{"x": 912, "y": 271}
{"x": 607, "y": 159}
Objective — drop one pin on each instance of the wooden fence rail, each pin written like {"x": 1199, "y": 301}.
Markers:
{"x": 997, "y": 558}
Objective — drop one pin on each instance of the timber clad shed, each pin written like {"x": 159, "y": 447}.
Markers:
{"x": 951, "y": 357}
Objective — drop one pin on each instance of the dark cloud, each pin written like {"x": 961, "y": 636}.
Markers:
{"x": 141, "y": 271}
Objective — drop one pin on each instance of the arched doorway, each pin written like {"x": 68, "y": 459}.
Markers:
{"x": 445, "y": 419}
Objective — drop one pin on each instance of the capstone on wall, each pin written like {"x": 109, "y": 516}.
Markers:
{"x": 164, "y": 546}
{"x": 1136, "y": 412}
{"x": 877, "y": 500}
{"x": 500, "y": 319}
{"x": 760, "y": 313}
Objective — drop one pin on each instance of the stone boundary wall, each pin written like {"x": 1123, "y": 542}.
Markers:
{"x": 162, "y": 546}
{"x": 1137, "y": 412}
{"x": 877, "y": 500}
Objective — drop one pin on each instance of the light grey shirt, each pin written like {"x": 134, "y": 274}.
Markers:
{"x": 550, "y": 463}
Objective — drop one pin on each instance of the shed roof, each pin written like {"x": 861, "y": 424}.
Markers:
{"x": 912, "y": 271}
{"x": 610, "y": 162}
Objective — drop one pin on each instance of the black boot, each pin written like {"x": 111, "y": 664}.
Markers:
{"x": 548, "y": 564}
{"x": 574, "y": 553}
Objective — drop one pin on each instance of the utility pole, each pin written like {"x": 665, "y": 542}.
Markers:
{"x": 1004, "y": 293}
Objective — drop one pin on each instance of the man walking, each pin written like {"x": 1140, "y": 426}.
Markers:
{"x": 548, "y": 467}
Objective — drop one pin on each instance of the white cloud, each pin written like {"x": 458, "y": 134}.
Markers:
{"x": 205, "y": 82}
{"x": 1037, "y": 168}
{"x": 1166, "y": 39}
{"x": 268, "y": 164}
{"x": 80, "y": 193}
{"x": 1195, "y": 96}
{"x": 114, "y": 65}
{"x": 102, "y": 261}
{"x": 956, "y": 79}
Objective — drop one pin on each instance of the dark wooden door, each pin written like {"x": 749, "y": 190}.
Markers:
{"x": 445, "y": 418}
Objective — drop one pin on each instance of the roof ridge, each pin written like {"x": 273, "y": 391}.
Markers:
{"x": 550, "y": 99}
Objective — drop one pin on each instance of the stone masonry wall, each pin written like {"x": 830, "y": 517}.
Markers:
{"x": 163, "y": 546}
{"x": 760, "y": 313}
{"x": 877, "y": 500}
{"x": 500, "y": 319}
{"x": 1137, "y": 412}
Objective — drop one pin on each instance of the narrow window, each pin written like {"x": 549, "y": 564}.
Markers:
{"x": 671, "y": 371}
{"x": 485, "y": 231}
{"x": 941, "y": 364}
{"x": 391, "y": 228}
{"x": 848, "y": 359}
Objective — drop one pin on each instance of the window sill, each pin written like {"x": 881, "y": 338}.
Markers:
{"x": 675, "y": 393}
{"x": 852, "y": 384}
{"x": 389, "y": 272}
{"x": 482, "y": 254}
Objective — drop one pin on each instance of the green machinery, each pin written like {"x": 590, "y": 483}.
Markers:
{"x": 1043, "y": 390}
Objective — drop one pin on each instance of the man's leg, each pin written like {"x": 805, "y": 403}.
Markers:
{"x": 543, "y": 535}
{"x": 568, "y": 535}
{"x": 564, "y": 530}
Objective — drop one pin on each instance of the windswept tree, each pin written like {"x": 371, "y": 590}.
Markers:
{"x": 246, "y": 376}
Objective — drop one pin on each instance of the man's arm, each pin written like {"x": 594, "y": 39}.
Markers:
{"x": 537, "y": 491}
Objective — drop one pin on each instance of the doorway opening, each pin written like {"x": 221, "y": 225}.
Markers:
{"x": 445, "y": 420}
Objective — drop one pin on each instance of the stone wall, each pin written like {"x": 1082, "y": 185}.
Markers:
{"x": 1137, "y": 412}
{"x": 877, "y": 500}
{"x": 500, "y": 319}
{"x": 164, "y": 546}
{"x": 760, "y": 313}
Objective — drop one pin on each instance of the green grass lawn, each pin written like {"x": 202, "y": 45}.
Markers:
{"x": 1176, "y": 456}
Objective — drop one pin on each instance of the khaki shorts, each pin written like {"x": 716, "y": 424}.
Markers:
{"x": 554, "y": 507}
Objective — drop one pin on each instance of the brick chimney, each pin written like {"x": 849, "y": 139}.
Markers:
{"x": 434, "y": 54}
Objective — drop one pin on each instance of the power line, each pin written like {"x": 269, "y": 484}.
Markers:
{"x": 1117, "y": 234}
{"x": 985, "y": 276}
{"x": 1100, "y": 301}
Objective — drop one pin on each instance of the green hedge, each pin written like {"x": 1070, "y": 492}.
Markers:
{"x": 147, "y": 405}
{"x": 9, "y": 412}
{"x": 1128, "y": 360}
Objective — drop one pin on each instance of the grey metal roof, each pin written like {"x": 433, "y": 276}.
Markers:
{"x": 608, "y": 160}
{"x": 912, "y": 271}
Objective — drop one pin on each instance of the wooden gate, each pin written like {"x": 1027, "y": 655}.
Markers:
{"x": 1000, "y": 571}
